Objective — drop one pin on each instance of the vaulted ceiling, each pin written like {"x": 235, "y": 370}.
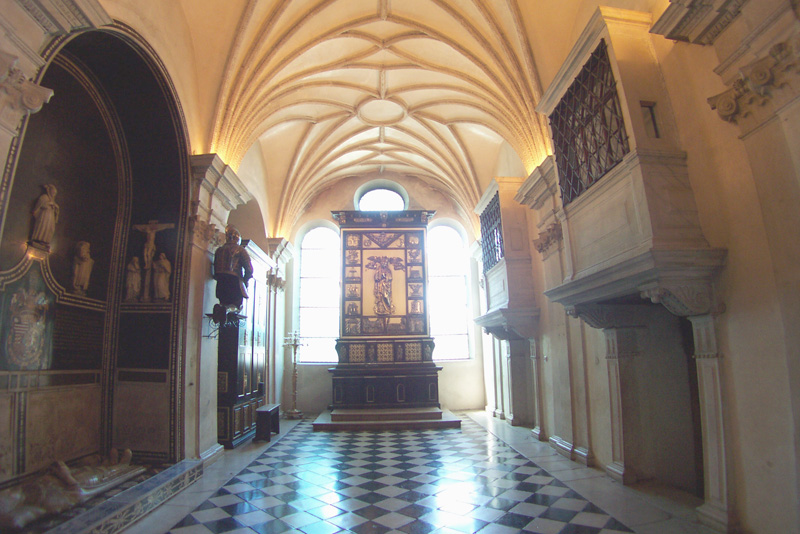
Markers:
{"x": 329, "y": 89}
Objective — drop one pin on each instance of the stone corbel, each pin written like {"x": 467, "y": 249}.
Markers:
{"x": 550, "y": 236}
{"x": 760, "y": 84}
{"x": 205, "y": 234}
{"x": 684, "y": 300}
{"x": 18, "y": 95}
{"x": 275, "y": 281}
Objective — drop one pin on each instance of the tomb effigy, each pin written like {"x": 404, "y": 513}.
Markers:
{"x": 63, "y": 487}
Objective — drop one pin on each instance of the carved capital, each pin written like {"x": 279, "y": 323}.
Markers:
{"x": 604, "y": 316}
{"x": 762, "y": 86}
{"x": 551, "y": 235}
{"x": 705, "y": 336}
{"x": 684, "y": 300}
{"x": 205, "y": 234}
{"x": 18, "y": 95}
{"x": 622, "y": 343}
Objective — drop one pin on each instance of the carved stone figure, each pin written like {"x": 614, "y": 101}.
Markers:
{"x": 163, "y": 269}
{"x": 133, "y": 280}
{"x": 45, "y": 216}
{"x": 232, "y": 270}
{"x": 82, "y": 264}
{"x": 150, "y": 230}
{"x": 62, "y": 488}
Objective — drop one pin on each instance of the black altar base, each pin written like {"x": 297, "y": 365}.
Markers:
{"x": 386, "y": 386}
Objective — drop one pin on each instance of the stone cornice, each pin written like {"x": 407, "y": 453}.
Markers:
{"x": 212, "y": 175}
{"x": 487, "y": 196}
{"x": 763, "y": 86}
{"x": 541, "y": 185}
{"x": 57, "y": 17}
{"x": 697, "y": 21}
{"x": 596, "y": 29}
{"x": 510, "y": 324}
{"x": 216, "y": 191}
{"x": 610, "y": 315}
{"x": 681, "y": 280}
{"x": 280, "y": 250}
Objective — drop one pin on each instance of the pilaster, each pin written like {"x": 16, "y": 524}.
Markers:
{"x": 622, "y": 345}
{"x": 716, "y": 510}
{"x": 216, "y": 191}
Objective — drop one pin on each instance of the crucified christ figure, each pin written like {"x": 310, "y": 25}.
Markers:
{"x": 150, "y": 230}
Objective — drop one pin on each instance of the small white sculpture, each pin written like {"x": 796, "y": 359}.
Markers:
{"x": 163, "y": 269}
{"x": 82, "y": 264}
{"x": 45, "y": 216}
{"x": 133, "y": 280}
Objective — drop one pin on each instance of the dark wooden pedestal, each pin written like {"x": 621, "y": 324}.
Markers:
{"x": 385, "y": 386}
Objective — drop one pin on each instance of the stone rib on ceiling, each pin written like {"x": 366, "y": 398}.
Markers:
{"x": 336, "y": 88}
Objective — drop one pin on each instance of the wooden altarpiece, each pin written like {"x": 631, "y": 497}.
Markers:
{"x": 385, "y": 349}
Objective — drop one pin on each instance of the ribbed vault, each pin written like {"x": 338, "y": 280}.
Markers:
{"x": 336, "y": 88}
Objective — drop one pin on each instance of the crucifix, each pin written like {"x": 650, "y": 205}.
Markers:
{"x": 149, "y": 230}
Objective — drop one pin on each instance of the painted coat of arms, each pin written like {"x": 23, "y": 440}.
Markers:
{"x": 26, "y": 338}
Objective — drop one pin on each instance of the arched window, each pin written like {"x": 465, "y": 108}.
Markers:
{"x": 381, "y": 200}
{"x": 319, "y": 296}
{"x": 448, "y": 267}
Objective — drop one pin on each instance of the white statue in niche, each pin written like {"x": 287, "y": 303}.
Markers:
{"x": 45, "y": 216}
{"x": 133, "y": 280}
{"x": 163, "y": 269}
{"x": 82, "y": 264}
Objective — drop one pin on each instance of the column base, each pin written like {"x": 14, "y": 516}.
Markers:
{"x": 211, "y": 455}
{"x": 714, "y": 516}
{"x": 562, "y": 446}
{"x": 538, "y": 433}
{"x": 618, "y": 472}
{"x": 584, "y": 456}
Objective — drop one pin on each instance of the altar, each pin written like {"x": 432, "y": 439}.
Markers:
{"x": 385, "y": 351}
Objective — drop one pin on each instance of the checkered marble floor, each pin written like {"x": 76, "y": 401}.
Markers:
{"x": 414, "y": 482}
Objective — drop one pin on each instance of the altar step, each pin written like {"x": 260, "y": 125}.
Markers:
{"x": 385, "y": 419}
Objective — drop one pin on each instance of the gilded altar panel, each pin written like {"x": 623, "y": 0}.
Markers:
{"x": 383, "y": 282}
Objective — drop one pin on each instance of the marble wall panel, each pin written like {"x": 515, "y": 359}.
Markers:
{"x": 141, "y": 416}
{"x": 61, "y": 424}
{"x": 6, "y": 436}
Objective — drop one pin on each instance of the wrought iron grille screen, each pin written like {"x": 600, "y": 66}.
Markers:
{"x": 491, "y": 234}
{"x": 588, "y": 129}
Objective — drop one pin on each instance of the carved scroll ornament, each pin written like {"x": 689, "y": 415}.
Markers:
{"x": 18, "y": 95}
{"x": 684, "y": 300}
{"x": 759, "y": 82}
{"x": 550, "y": 236}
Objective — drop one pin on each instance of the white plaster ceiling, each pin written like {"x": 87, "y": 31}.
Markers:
{"x": 329, "y": 89}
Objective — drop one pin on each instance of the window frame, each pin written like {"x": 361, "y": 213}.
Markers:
{"x": 299, "y": 296}
{"x": 469, "y": 282}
